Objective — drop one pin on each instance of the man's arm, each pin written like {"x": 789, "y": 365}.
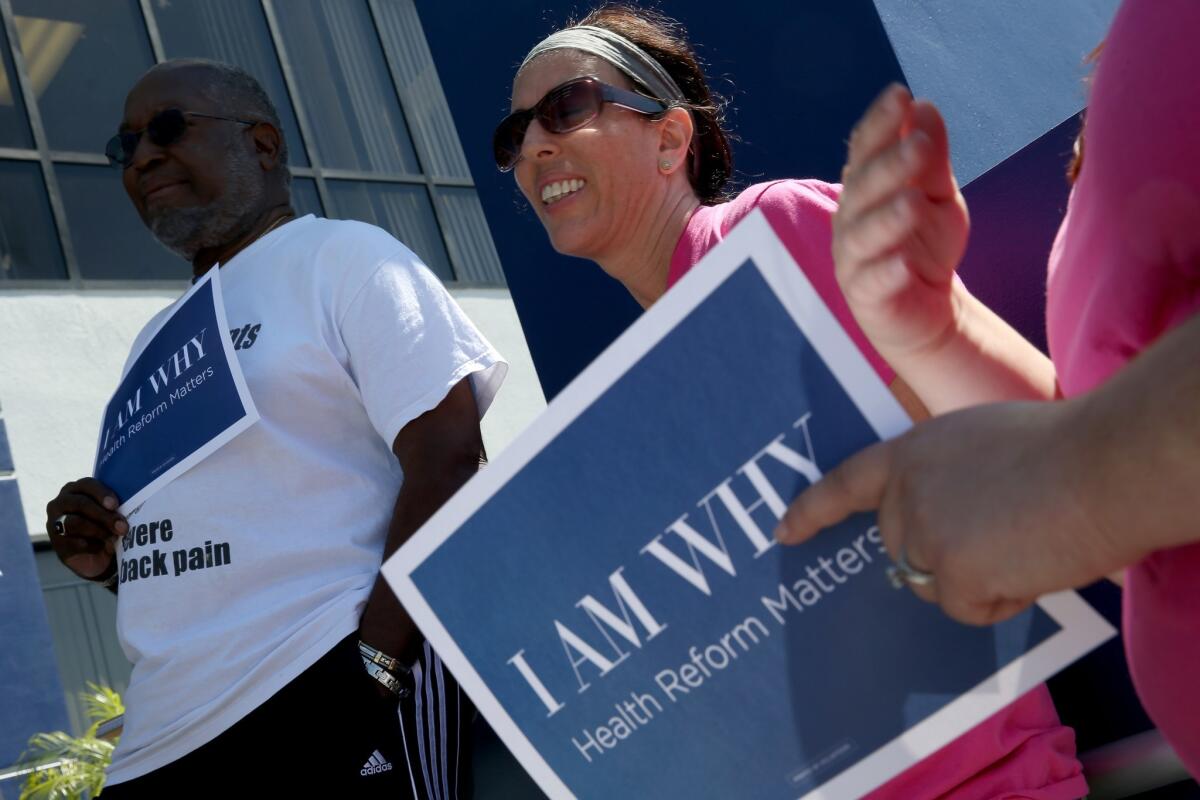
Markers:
{"x": 439, "y": 451}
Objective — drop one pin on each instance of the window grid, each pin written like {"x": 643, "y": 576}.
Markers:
{"x": 33, "y": 111}
{"x": 424, "y": 158}
{"x": 289, "y": 80}
{"x": 48, "y": 158}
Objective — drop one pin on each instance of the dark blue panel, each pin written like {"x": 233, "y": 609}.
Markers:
{"x": 31, "y": 698}
{"x": 798, "y": 75}
{"x": 1016, "y": 208}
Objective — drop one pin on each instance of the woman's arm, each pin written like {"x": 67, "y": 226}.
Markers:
{"x": 982, "y": 359}
{"x": 898, "y": 236}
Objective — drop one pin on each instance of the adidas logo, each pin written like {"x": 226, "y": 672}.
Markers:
{"x": 376, "y": 763}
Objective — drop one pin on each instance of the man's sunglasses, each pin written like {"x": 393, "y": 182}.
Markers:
{"x": 165, "y": 128}
{"x": 566, "y": 107}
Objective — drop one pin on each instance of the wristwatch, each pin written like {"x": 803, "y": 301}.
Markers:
{"x": 389, "y": 681}
{"x": 379, "y": 657}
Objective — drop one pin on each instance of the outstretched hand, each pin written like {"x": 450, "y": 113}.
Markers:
{"x": 901, "y": 226}
{"x": 987, "y": 499}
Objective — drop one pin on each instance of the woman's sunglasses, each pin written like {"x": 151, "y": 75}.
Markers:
{"x": 566, "y": 107}
{"x": 165, "y": 128}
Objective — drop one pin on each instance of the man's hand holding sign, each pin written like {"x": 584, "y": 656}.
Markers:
{"x": 84, "y": 526}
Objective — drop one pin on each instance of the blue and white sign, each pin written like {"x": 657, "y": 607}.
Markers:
{"x": 609, "y": 594}
{"x": 182, "y": 397}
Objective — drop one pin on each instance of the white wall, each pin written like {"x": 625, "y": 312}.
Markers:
{"x": 61, "y": 354}
{"x": 520, "y": 399}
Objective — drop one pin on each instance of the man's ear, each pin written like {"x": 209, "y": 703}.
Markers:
{"x": 675, "y": 129}
{"x": 268, "y": 145}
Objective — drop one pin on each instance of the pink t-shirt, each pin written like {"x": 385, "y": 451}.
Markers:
{"x": 1022, "y": 751}
{"x": 1124, "y": 270}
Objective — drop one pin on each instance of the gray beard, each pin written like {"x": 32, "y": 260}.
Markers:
{"x": 187, "y": 231}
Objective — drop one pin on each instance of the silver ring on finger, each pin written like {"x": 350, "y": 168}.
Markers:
{"x": 60, "y": 525}
{"x": 902, "y": 574}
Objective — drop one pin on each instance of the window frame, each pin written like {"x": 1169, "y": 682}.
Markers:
{"x": 319, "y": 174}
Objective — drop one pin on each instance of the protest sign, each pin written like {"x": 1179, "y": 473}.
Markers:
{"x": 608, "y": 592}
{"x": 182, "y": 397}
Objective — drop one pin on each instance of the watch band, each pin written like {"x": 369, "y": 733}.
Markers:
{"x": 378, "y": 657}
{"x": 387, "y": 679}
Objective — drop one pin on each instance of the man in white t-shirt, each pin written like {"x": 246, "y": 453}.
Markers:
{"x": 269, "y": 654}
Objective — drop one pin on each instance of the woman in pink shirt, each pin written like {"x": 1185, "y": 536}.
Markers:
{"x": 617, "y": 144}
{"x": 1101, "y": 471}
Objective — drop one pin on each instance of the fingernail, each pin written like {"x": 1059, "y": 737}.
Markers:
{"x": 110, "y": 503}
{"x": 780, "y": 532}
{"x": 121, "y": 526}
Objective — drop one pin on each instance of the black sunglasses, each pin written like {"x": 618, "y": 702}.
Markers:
{"x": 165, "y": 128}
{"x": 566, "y": 107}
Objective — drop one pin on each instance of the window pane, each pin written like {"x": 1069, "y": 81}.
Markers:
{"x": 401, "y": 209}
{"x": 349, "y": 98}
{"x": 14, "y": 130}
{"x": 468, "y": 238}
{"x": 28, "y": 237}
{"x": 429, "y": 115}
{"x": 109, "y": 237}
{"x": 305, "y": 198}
{"x": 233, "y": 31}
{"x": 83, "y": 58}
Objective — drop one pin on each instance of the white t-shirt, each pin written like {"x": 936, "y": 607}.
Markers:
{"x": 343, "y": 337}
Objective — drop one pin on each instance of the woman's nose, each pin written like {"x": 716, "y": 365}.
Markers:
{"x": 538, "y": 142}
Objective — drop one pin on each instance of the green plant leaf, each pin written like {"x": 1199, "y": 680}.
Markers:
{"x": 100, "y": 703}
{"x": 82, "y": 760}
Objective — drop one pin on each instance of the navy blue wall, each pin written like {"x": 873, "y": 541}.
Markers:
{"x": 798, "y": 75}
{"x": 1016, "y": 208}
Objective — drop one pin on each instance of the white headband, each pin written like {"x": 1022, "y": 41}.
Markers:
{"x": 616, "y": 50}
